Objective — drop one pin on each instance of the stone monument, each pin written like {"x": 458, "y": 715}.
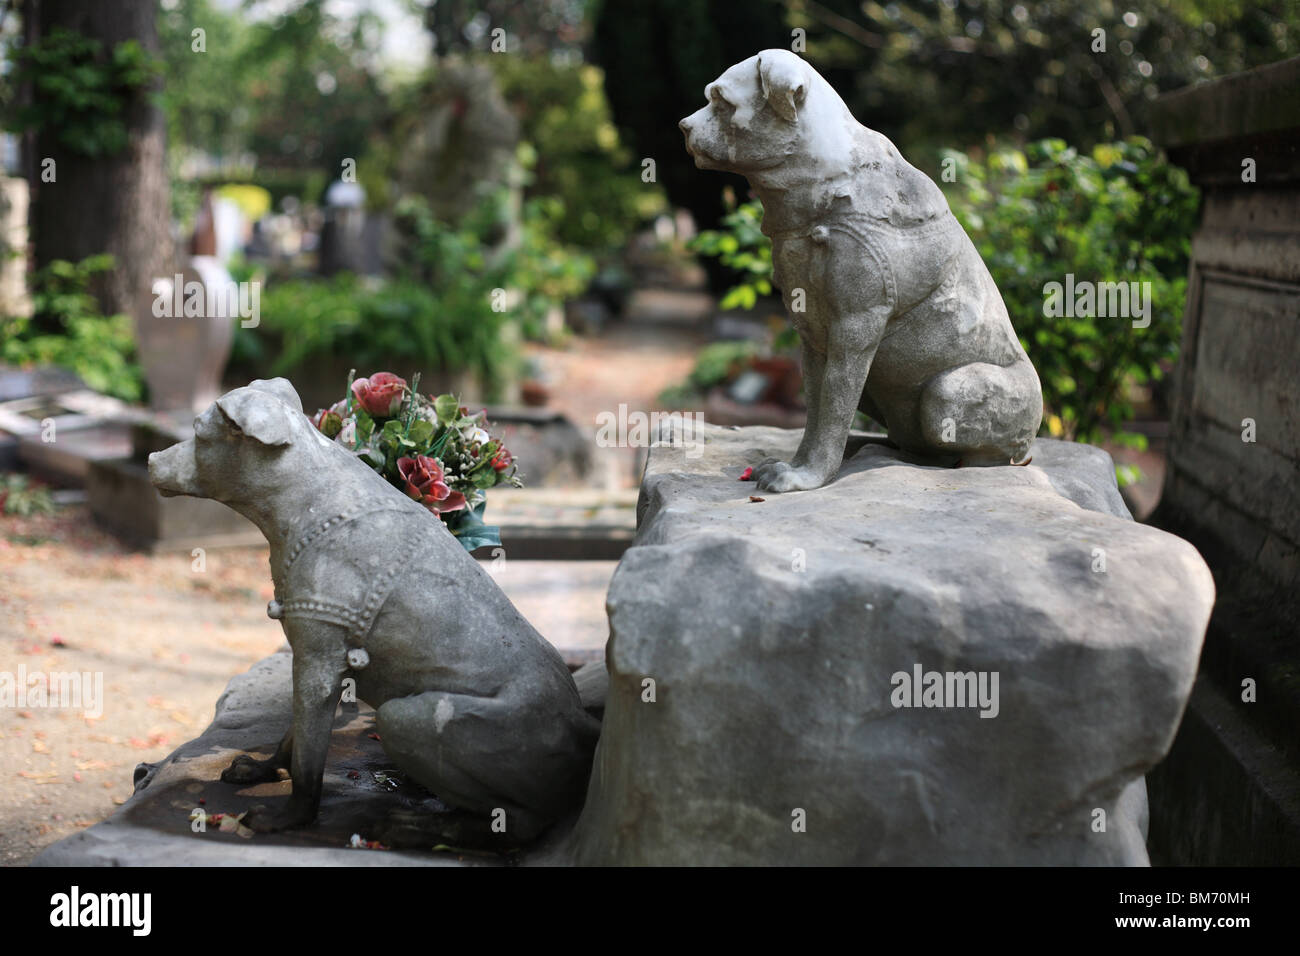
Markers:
{"x": 911, "y": 664}
{"x": 897, "y": 314}
{"x": 372, "y": 588}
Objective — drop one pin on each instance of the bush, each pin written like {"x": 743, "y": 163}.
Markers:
{"x": 440, "y": 311}
{"x": 1122, "y": 213}
{"x": 580, "y": 160}
{"x": 741, "y": 246}
{"x": 19, "y": 496}
{"x": 99, "y": 348}
{"x": 372, "y": 323}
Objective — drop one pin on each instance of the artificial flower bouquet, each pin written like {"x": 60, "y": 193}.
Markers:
{"x": 429, "y": 448}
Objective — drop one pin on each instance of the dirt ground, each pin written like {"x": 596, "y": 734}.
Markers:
{"x": 165, "y": 636}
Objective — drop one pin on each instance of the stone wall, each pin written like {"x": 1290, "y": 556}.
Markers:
{"x": 1231, "y": 486}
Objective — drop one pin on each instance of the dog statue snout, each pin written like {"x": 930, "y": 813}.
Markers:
{"x": 173, "y": 472}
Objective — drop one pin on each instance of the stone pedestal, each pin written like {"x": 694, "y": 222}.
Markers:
{"x": 759, "y": 653}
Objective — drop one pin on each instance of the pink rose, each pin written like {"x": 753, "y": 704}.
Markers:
{"x": 381, "y": 394}
{"x": 425, "y": 482}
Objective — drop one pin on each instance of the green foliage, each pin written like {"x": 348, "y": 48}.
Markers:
{"x": 201, "y": 114}
{"x": 1121, "y": 214}
{"x": 99, "y": 348}
{"x": 541, "y": 268}
{"x": 18, "y": 496}
{"x": 948, "y": 73}
{"x": 82, "y": 92}
{"x": 467, "y": 262}
{"x": 378, "y": 322}
{"x": 441, "y": 311}
{"x": 579, "y": 158}
{"x": 715, "y": 364}
{"x": 295, "y": 89}
{"x": 741, "y": 246}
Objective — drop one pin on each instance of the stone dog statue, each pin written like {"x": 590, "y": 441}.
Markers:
{"x": 469, "y": 700}
{"x": 896, "y": 312}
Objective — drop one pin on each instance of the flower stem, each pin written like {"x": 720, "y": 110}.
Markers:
{"x": 410, "y": 410}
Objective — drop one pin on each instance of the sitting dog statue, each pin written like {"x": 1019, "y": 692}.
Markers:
{"x": 469, "y": 700}
{"x": 896, "y": 312}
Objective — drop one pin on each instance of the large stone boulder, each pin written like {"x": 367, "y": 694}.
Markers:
{"x": 763, "y": 652}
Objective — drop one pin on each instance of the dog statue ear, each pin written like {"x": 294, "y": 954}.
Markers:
{"x": 249, "y": 411}
{"x": 784, "y": 83}
{"x": 281, "y": 388}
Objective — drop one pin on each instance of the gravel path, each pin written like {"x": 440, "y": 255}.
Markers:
{"x": 164, "y": 638}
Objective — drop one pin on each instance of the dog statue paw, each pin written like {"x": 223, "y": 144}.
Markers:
{"x": 778, "y": 476}
{"x": 897, "y": 314}
{"x": 470, "y": 701}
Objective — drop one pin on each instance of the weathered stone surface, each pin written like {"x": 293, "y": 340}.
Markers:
{"x": 153, "y": 828}
{"x": 772, "y": 630}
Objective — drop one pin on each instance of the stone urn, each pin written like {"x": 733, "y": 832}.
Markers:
{"x": 183, "y": 354}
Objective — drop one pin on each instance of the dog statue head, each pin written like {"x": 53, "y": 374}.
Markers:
{"x": 765, "y": 112}
{"x": 239, "y": 444}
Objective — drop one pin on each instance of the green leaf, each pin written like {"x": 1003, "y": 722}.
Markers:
{"x": 470, "y": 531}
{"x": 447, "y": 407}
{"x": 365, "y": 424}
{"x": 421, "y": 432}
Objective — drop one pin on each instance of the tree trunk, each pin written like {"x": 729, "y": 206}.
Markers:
{"x": 117, "y": 204}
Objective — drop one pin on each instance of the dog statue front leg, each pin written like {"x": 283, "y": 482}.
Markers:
{"x": 245, "y": 770}
{"x": 318, "y": 669}
{"x": 834, "y": 384}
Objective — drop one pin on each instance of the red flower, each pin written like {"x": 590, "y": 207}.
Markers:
{"x": 503, "y": 459}
{"x": 425, "y": 482}
{"x": 380, "y": 394}
{"x": 328, "y": 422}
